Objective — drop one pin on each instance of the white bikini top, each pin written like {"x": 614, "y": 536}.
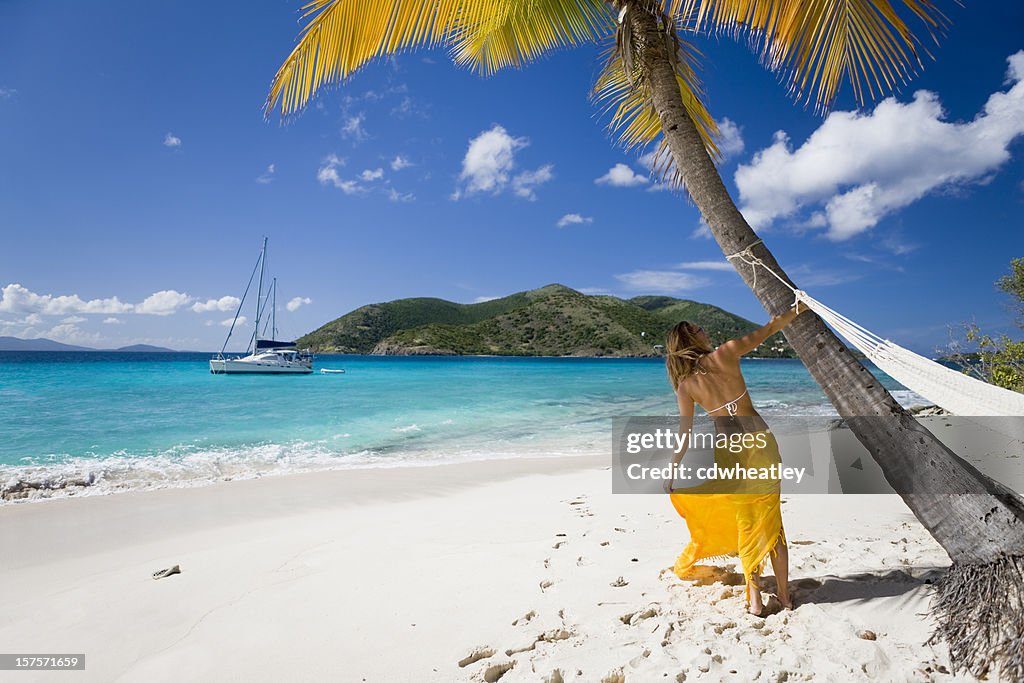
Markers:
{"x": 731, "y": 407}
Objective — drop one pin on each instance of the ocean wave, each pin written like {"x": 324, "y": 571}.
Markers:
{"x": 178, "y": 468}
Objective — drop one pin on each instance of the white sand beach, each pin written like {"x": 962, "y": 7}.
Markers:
{"x": 522, "y": 570}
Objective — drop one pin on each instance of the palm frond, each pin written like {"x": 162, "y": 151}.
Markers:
{"x": 633, "y": 118}
{"x": 340, "y": 36}
{"x": 519, "y": 31}
{"x": 818, "y": 44}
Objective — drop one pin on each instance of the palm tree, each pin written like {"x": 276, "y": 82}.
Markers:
{"x": 652, "y": 93}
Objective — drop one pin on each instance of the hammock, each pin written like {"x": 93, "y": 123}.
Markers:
{"x": 958, "y": 393}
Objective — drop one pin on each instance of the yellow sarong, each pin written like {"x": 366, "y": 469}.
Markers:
{"x": 748, "y": 524}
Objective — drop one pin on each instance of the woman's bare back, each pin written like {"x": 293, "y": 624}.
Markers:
{"x": 717, "y": 386}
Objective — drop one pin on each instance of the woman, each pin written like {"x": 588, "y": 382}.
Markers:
{"x": 721, "y": 523}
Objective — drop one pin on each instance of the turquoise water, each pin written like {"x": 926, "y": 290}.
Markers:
{"x": 99, "y": 422}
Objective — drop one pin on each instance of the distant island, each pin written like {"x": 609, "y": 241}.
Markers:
{"x": 43, "y": 344}
{"x": 551, "y": 321}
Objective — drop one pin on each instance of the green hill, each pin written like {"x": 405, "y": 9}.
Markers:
{"x": 551, "y": 321}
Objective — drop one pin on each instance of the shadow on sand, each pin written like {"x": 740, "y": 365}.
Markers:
{"x": 877, "y": 583}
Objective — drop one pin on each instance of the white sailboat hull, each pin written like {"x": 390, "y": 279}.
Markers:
{"x": 251, "y": 366}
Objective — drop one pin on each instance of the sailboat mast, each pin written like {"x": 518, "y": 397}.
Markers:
{"x": 273, "y": 312}
{"x": 259, "y": 294}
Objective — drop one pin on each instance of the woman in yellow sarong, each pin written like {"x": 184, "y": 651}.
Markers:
{"x": 721, "y": 522}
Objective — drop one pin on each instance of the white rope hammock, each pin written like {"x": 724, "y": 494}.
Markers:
{"x": 958, "y": 393}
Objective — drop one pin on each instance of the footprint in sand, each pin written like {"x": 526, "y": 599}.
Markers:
{"x": 802, "y": 542}
{"x": 636, "y": 661}
{"x": 496, "y": 671}
{"x": 475, "y": 656}
{"x": 552, "y": 636}
{"x": 545, "y": 584}
{"x": 615, "y": 676}
{"x": 726, "y": 594}
{"x": 722, "y": 628}
{"x": 634, "y": 618}
{"x": 555, "y": 677}
{"x": 558, "y": 545}
{"x": 525, "y": 619}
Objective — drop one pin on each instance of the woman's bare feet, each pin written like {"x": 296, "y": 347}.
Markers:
{"x": 780, "y": 563}
{"x": 754, "y": 604}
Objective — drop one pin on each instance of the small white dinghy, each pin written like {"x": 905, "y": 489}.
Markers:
{"x": 327, "y": 371}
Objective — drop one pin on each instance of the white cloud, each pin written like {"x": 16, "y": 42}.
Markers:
{"x": 328, "y": 175}
{"x": 481, "y": 299}
{"x": 857, "y": 168}
{"x": 113, "y": 321}
{"x": 171, "y": 140}
{"x": 353, "y": 128}
{"x": 524, "y": 183}
{"x": 593, "y": 291}
{"x": 70, "y": 333}
{"x": 702, "y": 231}
{"x": 489, "y": 164}
{"x": 298, "y": 301}
{"x": 267, "y": 176}
{"x": 408, "y": 107}
{"x": 573, "y": 219}
{"x": 375, "y": 174}
{"x": 164, "y": 302}
{"x": 72, "y": 319}
{"x": 706, "y": 265}
{"x": 400, "y": 162}
{"x": 731, "y": 141}
{"x": 242, "y": 320}
{"x": 396, "y": 196}
{"x": 807, "y": 276}
{"x": 7, "y": 93}
{"x": 661, "y": 281}
{"x": 490, "y": 157}
{"x": 25, "y": 328}
{"x": 225, "y": 303}
{"x": 33, "y": 327}
{"x": 621, "y": 175}
{"x": 17, "y": 299}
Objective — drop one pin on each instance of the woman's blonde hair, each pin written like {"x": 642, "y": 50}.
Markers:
{"x": 683, "y": 349}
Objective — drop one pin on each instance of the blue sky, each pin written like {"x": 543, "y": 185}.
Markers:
{"x": 138, "y": 176}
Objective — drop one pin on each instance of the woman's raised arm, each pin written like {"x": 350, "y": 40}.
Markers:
{"x": 747, "y": 343}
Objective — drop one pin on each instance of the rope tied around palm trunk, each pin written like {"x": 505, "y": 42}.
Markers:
{"x": 747, "y": 256}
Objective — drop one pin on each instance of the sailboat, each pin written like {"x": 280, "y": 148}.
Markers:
{"x": 263, "y": 356}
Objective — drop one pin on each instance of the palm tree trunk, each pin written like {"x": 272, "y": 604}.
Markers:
{"x": 977, "y": 520}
